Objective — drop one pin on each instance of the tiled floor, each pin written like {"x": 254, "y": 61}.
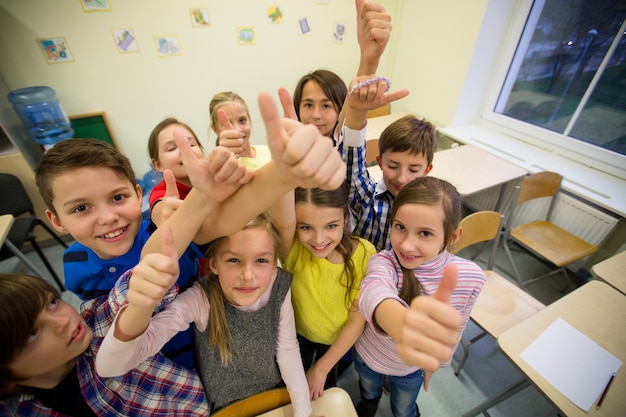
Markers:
{"x": 485, "y": 374}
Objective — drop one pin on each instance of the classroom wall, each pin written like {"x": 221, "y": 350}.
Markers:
{"x": 137, "y": 90}
{"x": 429, "y": 53}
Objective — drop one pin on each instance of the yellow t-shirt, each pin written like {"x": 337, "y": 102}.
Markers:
{"x": 318, "y": 291}
{"x": 263, "y": 156}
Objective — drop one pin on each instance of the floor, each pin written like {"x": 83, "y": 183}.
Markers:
{"x": 485, "y": 374}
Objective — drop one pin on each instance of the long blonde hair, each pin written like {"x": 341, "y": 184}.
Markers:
{"x": 219, "y": 330}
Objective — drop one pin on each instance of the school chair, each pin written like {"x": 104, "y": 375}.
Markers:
{"x": 379, "y": 111}
{"x": 542, "y": 237}
{"x": 371, "y": 152}
{"x": 255, "y": 404}
{"x": 15, "y": 201}
{"x": 501, "y": 304}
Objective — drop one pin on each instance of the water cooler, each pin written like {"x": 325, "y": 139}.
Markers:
{"x": 41, "y": 113}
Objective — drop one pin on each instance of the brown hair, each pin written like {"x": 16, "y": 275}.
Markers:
{"x": 153, "y": 140}
{"x": 331, "y": 84}
{"x": 409, "y": 134}
{"x": 218, "y": 101}
{"x": 219, "y": 331}
{"x": 72, "y": 154}
{"x": 22, "y": 298}
{"x": 335, "y": 199}
{"x": 430, "y": 191}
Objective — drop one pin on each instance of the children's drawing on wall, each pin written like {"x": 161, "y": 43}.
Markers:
{"x": 55, "y": 50}
{"x": 125, "y": 40}
{"x": 339, "y": 32}
{"x": 304, "y": 26}
{"x": 199, "y": 17}
{"x": 275, "y": 14}
{"x": 167, "y": 45}
{"x": 95, "y": 5}
{"x": 245, "y": 35}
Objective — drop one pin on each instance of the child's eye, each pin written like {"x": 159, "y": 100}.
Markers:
{"x": 327, "y": 106}
{"x": 400, "y": 227}
{"x": 79, "y": 209}
{"x": 263, "y": 261}
{"x": 119, "y": 197}
{"x": 307, "y": 106}
{"x": 426, "y": 234}
{"x": 243, "y": 121}
{"x": 305, "y": 227}
{"x": 331, "y": 226}
{"x": 232, "y": 260}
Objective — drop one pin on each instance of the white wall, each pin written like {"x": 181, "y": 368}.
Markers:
{"x": 137, "y": 90}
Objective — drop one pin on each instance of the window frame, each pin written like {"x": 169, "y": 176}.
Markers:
{"x": 590, "y": 156}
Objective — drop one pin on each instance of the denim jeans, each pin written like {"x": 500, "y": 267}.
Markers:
{"x": 403, "y": 390}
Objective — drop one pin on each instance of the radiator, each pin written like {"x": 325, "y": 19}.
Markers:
{"x": 570, "y": 213}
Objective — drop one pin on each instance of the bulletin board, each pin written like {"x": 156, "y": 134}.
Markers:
{"x": 92, "y": 125}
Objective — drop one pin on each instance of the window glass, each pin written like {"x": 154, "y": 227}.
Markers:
{"x": 568, "y": 73}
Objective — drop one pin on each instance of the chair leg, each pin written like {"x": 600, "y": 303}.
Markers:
{"x": 51, "y": 232}
{"x": 554, "y": 271}
{"x": 515, "y": 271}
{"x": 47, "y": 264}
{"x": 23, "y": 258}
{"x": 466, "y": 345}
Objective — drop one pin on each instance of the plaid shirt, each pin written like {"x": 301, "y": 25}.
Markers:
{"x": 157, "y": 387}
{"x": 370, "y": 202}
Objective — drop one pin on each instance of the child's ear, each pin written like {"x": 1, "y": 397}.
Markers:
{"x": 55, "y": 222}
{"x": 157, "y": 165}
{"x": 139, "y": 191}
{"x": 428, "y": 169}
{"x": 379, "y": 161}
{"x": 212, "y": 266}
{"x": 456, "y": 235}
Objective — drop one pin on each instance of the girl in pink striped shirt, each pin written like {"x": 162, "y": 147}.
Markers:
{"x": 425, "y": 224}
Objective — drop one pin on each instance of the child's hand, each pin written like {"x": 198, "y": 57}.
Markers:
{"x": 373, "y": 31}
{"x": 218, "y": 175}
{"x": 300, "y": 151}
{"x": 289, "y": 109}
{"x": 229, "y": 138}
{"x": 155, "y": 274}
{"x": 316, "y": 379}
{"x": 171, "y": 200}
{"x": 431, "y": 327}
{"x": 372, "y": 95}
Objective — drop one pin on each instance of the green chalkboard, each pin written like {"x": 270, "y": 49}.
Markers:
{"x": 92, "y": 125}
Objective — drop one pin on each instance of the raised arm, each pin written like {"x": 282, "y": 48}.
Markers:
{"x": 301, "y": 157}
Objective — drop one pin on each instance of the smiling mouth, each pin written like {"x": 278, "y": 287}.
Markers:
{"x": 114, "y": 234}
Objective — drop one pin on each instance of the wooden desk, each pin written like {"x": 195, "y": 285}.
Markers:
{"x": 376, "y": 125}
{"x": 6, "y": 221}
{"x": 335, "y": 402}
{"x": 469, "y": 169}
{"x": 612, "y": 270}
{"x": 597, "y": 310}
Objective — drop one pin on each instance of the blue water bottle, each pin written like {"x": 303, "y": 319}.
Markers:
{"x": 41, "y": 113}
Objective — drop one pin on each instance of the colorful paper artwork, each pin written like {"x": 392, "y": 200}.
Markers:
{"x": 199, "y": 17}
{"x": 125, "y": 40}
{"x": 168, "y": 45}
{"x": 304, "y": 26}
{"x": 245, "y": 35}
{"x": 339, "y": 32}
{"x": 55, "y": 50}
{"x": 95, "y": 5}
{"x": 275, "y": 14}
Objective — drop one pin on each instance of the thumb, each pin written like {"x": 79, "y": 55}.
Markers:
{"x": 171, "y": 190}
{"x": 168, "y": 247}
{"x": 223, "y": 119}
{"x": 359, "y": 7}
{"x": 286, "y": 100}
{"x": 182, "y": 143}
{"x": 447, "y": 284}
{"x": 273, "y": 125}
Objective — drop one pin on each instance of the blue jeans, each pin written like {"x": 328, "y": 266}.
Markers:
{"x": 403, "y": 390}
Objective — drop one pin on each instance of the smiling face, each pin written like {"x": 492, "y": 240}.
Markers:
{"x": 400, "y": 168}
{"x": 417, "y": 233}
{"x": 59, "y": 336}
{"x": 98, "y": 208}
{"x": 244, "y": 264}
{"x": 320, "y": 229}
{"x": 168, "y": 154}
{"x": 317, "y": 109}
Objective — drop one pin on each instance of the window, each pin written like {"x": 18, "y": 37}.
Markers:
{"x": 565, "y": 84}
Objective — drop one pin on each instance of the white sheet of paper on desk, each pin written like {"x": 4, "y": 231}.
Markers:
{"x": 573, "y": 363}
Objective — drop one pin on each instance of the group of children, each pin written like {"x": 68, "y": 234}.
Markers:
{"x": 364, "y": 267}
